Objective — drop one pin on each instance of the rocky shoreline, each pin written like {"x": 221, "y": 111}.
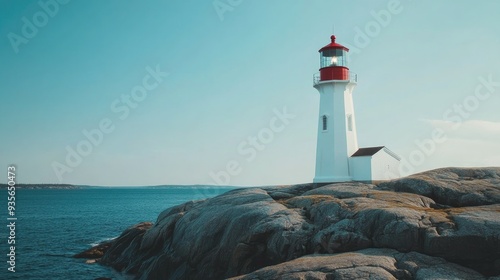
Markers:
{"x": 440, "y": 224}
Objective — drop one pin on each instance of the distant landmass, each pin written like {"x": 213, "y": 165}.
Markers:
{"x": 42, "y": 186}
{"x": 70, "y": 186}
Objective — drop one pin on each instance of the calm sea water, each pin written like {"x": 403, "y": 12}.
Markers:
{"x": 53, "y": 225}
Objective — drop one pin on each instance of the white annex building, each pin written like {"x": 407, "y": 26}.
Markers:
{"x": 338, "y": 157}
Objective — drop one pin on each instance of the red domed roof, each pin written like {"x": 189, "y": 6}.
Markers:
{"x": 333, "y": 45}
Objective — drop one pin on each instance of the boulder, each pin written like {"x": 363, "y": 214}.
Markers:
{"x": 364, "y": 264}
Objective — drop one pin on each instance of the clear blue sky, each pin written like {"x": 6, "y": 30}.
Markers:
{"x": 229, "y": 70}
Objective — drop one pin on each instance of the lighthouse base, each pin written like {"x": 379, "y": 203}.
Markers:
{"x": 331, "y": 179}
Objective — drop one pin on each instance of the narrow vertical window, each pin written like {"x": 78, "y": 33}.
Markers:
{"x": 349, "y": 122}
{"x": 325, "y": 123}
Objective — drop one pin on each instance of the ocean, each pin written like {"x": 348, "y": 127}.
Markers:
{"x": 54, "y": 224}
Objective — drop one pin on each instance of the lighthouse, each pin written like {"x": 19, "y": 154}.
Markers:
{"x": 338, "y": 157}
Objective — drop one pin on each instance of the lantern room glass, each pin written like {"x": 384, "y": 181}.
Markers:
{"x": 333, "y": 57}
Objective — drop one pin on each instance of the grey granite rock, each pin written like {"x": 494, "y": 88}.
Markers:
{"x": 443, "y": 224}
{"x": 365, "y": 264}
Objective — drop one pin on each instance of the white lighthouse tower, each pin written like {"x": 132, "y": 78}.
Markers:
{"x": 338, "y": 157}
{"x": 337, "y": 139}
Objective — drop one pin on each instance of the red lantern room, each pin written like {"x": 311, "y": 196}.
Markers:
{"x": 333, "y": 59}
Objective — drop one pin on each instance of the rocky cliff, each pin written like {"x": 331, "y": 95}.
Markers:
{"x": 441, "y": 224}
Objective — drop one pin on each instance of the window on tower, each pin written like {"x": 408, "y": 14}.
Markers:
{"x": 349, "y": 122}
{"x": 333, "y": 57}
{"x": 325, "y": 122}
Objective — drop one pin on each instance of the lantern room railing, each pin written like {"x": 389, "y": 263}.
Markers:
{"x": 353, "y": 78}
